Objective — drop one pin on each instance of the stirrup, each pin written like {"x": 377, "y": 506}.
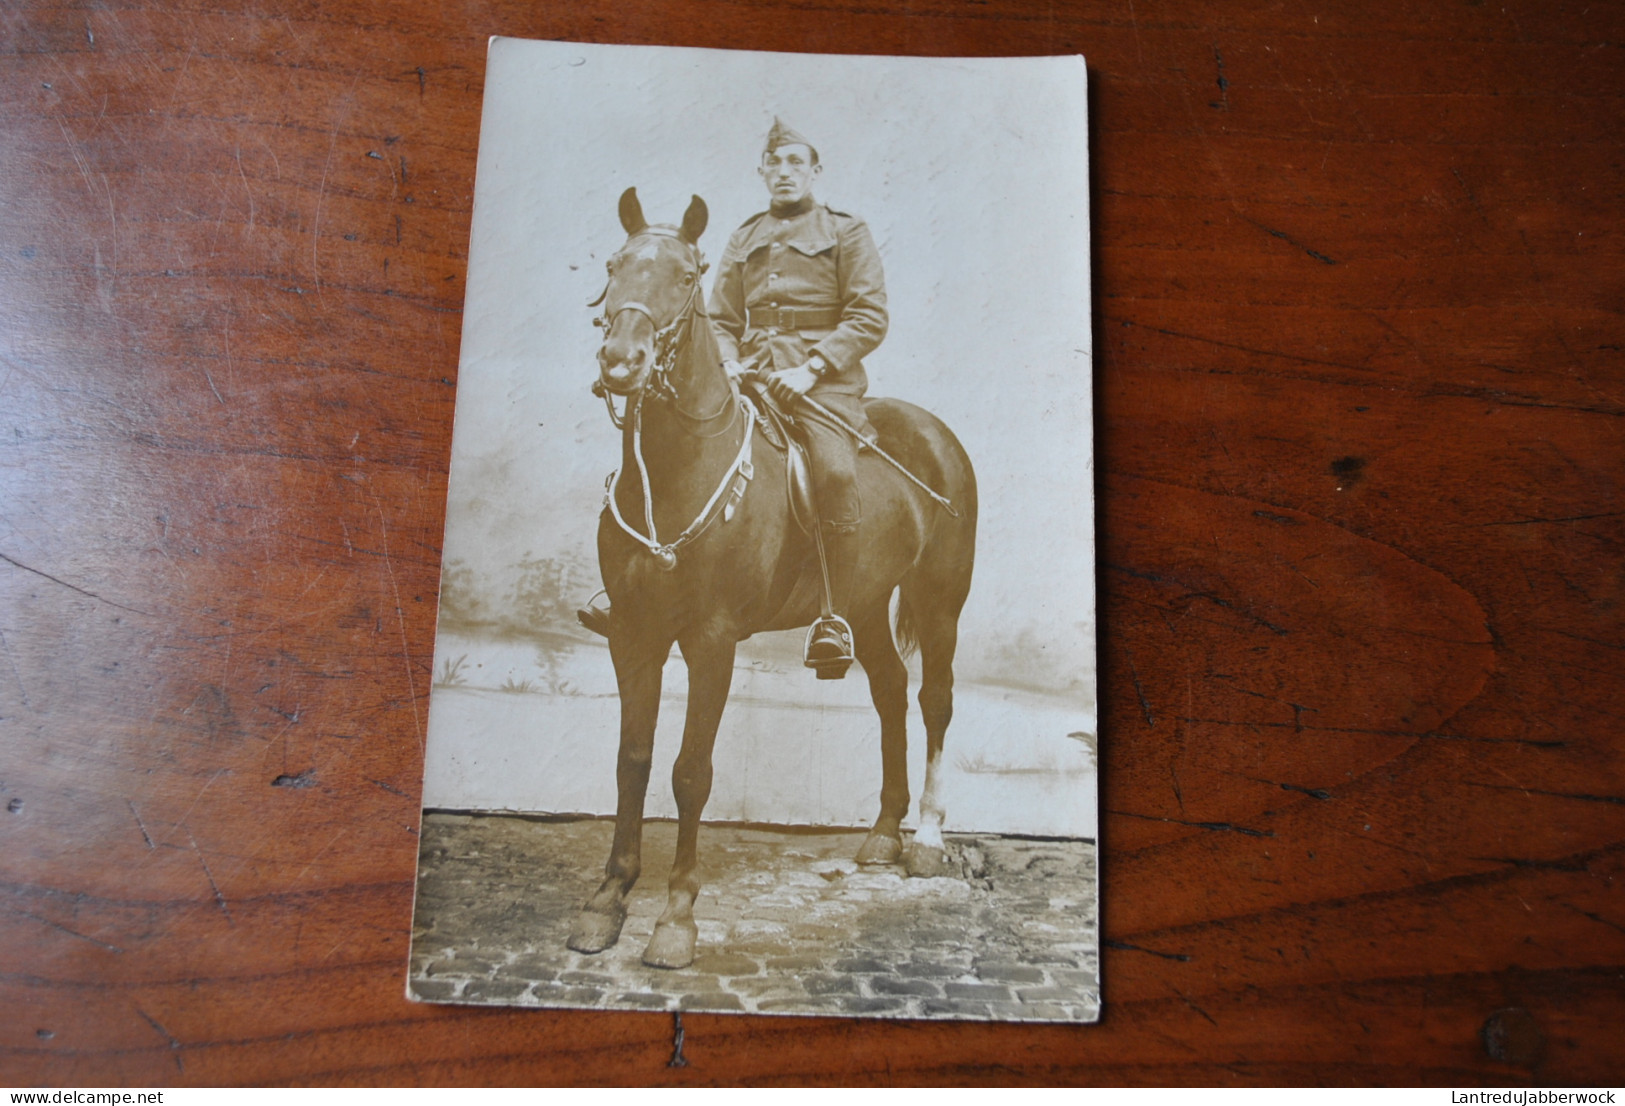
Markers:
{"x": 594, "y": 618}
{"x": 833, "y": 635}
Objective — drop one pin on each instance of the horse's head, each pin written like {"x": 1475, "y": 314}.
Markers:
{"x": 654, "y": 285}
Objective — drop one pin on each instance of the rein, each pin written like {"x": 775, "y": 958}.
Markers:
{"x": 733, "y": 483}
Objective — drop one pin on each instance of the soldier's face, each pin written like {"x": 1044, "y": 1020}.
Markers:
{"x": 789, "y": 173}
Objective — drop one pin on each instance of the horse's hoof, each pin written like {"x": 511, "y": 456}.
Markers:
{"x": 672, "y": 946}
{"x": 927, "y": 862}
{"x": 595, "y": 932}
{"x": 878, "y": 848}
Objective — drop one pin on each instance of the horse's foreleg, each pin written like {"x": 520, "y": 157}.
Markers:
{"x": 637, "y": 670}
{"x": 888, "y": 689}
{"x": 710, "y": 672}
{"x": 938, "y": 639}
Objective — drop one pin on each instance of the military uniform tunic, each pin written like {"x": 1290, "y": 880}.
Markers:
{"x": 792, "y": 285}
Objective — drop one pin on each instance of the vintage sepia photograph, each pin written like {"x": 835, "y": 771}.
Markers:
{"x": 764, "y": 678}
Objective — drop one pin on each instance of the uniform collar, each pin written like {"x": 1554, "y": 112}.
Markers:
{"x": 815, "y": 226}
{"x": 791, "y": 211}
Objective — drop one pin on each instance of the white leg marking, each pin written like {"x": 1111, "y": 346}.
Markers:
{"x": 931, "y": 812}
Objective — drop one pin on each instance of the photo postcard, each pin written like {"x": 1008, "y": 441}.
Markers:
{"x": 765, "y": 669}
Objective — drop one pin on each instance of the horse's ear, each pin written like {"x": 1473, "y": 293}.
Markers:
{"x": 632, "y": 212}
{"x": 694, "y": 220}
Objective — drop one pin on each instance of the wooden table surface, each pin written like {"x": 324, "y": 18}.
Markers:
{"x": 1358, "y": 325}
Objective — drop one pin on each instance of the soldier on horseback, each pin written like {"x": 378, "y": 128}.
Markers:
{"x": 800, "y": 294}
{"x": 800, "y": 297}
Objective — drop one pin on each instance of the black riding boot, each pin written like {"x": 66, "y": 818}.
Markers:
{"x": 594, "y": 618}
{"x": 829, "y": 641}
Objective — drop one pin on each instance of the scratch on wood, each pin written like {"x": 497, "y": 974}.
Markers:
{"x": 1186, "y": 999}
{"x": 319, "y": 852}
{"x": 1218, "y": 827}
{"x": 321, "y": 189}
{"x": 1134, "y": 21}
{"x": 400, "y": 621}
{"x": 72, "y": 587}
{"x": 174, "y": 1045}
{"x": 1297, "y": 708}
{"x": 1561, "y": 518}
{"x": 1430, "y": 735}
{"x": 1595, "y": 917}
{"x": 246, "y": 187}
{"x": 219, "y": 899}
{"x": 1313, "y": 792}
{"x": 212, "y": 388}
{"x": 1614, "y": 799}
{"x": 1570, "y": 865}
{"x": 1582, "y": 637}
{"x": 1291, "y": 241}
{"x": 145, "y": 836}
{"x": 70, "y": 932}
{"x": 1124, "y": 946}
{"x": 181, "y": 821}
{"x": 1139, "y": 689}
{"x": 1226, "y": 604}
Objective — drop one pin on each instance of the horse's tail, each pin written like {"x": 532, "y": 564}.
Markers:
{"x": 906, "y": 629}
{"x": 934, "y": 590}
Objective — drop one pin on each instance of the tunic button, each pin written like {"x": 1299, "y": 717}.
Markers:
{"x": 772, "y": 276}
{"x": 774, "y": 304}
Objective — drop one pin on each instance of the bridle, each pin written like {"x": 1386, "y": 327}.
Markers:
{"x": 668, "y": 342}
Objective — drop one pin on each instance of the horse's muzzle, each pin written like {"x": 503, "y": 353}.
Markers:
{"x": 625, "y": 373}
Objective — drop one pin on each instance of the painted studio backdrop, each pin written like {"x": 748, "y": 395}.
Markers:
{"x": 973, "y": 178}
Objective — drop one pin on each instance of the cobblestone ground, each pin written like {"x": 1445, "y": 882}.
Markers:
{"x": 789, "y": 924}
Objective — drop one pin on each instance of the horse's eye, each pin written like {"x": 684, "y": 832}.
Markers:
{"x": 688, "y": 278}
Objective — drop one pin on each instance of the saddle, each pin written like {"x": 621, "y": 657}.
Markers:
{"x": 776, "y": 423}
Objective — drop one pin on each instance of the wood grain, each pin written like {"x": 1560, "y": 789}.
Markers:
{"x": 1361, "y": 417}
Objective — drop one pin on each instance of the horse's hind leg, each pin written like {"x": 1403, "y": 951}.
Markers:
{"x": 888, "y": 688}
{"x": 938, "y": 628}
{"x": 710, "y": 671}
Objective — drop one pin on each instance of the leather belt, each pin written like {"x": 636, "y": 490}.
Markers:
{"x": 794, "y": 318}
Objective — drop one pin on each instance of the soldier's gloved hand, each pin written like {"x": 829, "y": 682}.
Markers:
{"x": 787, "y": 385}
{"x": 734, "y": 369}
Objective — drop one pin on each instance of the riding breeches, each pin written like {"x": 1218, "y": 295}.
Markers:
{"x": 832, "y": 454}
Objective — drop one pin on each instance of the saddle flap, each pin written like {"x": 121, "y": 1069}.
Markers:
{"x": 798, "y": 478}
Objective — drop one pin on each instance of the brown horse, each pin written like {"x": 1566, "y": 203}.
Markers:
{"x": 732, "y": 563}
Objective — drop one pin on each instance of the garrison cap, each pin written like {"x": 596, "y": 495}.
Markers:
{"x": 782, "y": 135}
